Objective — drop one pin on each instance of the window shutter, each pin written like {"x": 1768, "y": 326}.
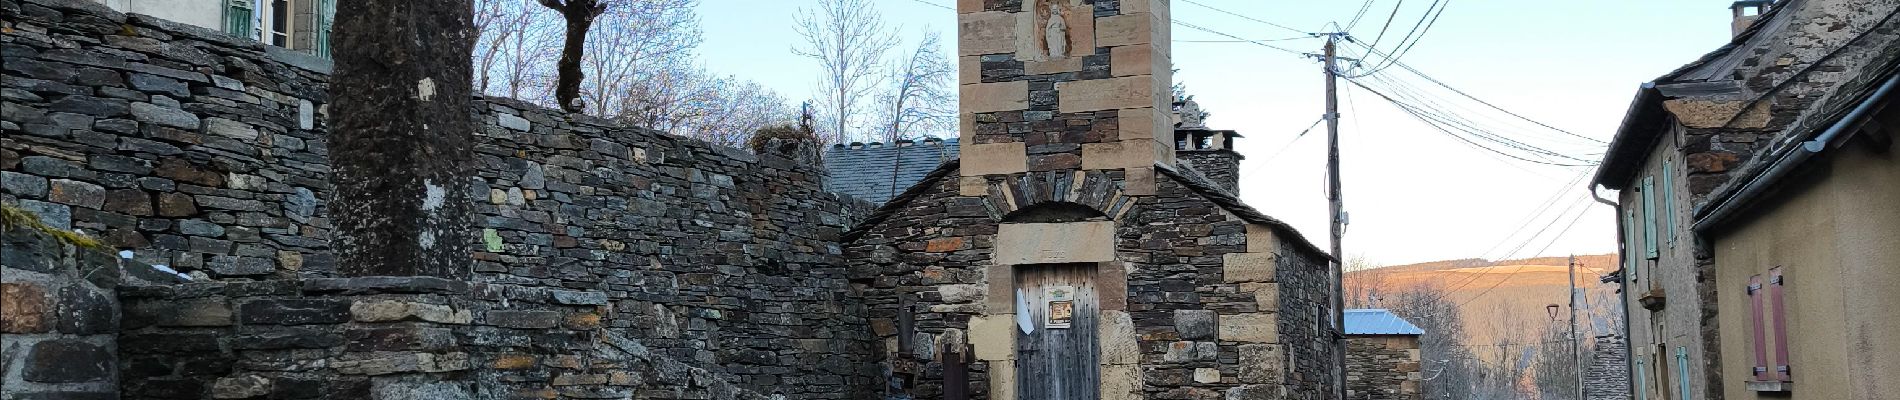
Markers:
{"x": 1755, "y": 295}
{"x": 1669, "y": 203}
{"x": 326, "y": 15}
{"x": 1629, "y": 243}
{"x": 1783, "y": 371}
{"x": 1649, "y": 216}
{"x": 237, "y": 18}
{"x": 1642, "y": 386}
{"x": 1682, "y": 371}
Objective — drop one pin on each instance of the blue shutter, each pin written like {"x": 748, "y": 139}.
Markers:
{"x": 1649, "y": 216}
{"x": 1682, "y": 370}
{"x": 237, "y": 18}
{"x": 1629, "y": 244}
{"x": 1642, "y": 387}
{"x": 326, "y": 15}
{"x": 1669, "y": 203}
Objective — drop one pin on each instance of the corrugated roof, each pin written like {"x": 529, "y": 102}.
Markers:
{"x": 865, "y": 172}
{"x": 1378, "y": 322}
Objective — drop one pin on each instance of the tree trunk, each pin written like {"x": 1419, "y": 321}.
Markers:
{"x": 400, "y": 128}
{"x": 579, "y": 15}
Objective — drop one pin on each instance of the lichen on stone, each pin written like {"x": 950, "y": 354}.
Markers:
{"x": 12, "y": 217}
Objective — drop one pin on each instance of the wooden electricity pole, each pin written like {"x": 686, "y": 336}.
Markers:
{"x": 1337, "y": 206}
{"x": 1576, "y": 345}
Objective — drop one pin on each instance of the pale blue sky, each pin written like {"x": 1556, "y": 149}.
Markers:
{"x": 1414, "y": 194}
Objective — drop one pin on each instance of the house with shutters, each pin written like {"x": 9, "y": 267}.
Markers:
{"x": 1759, "y": 210}
{"x": 302, "y": 25}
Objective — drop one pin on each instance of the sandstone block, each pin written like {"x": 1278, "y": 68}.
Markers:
{"x": 1136, "y": 60}
{"x": 1261, "y": 363}
{"x": 969, "y": 70}
{"x": 1116, "y": 333}
{"x": 1248, "y": 267}
{"x": 1126, "y": 154}
{"x": 1121, "y": 382}
{"x": 994, "y": 336}
{"x": 986, "y": 32}
{"x": 1129, "y": 29}
{"x": 993, "y": 97}
{"x": 1003, "y": 380}
{"x": 1091, "y": 241}
{"x": 1000, "y": 289}
{"x": 1139, "y": 182}
{"x": 23, "y": 307}
{"x": 1266, "y": 295}
{"x": 1261, "y": 239}
{"x": 1207, "y": 375}
{"x": 1145, "y": 123}
{"x": 1106, "y": 94}
{"x": 960, "y": 293}
{"x": 1251, "y": 328}
{"x": 993, "y": 158}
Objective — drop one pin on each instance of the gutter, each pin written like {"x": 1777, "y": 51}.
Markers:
{"x": 1760, "y": 183}
{"x": 1648, "y": 101}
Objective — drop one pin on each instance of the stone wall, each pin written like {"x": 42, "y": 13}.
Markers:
{"x": 1384, "y": 367}
{"x": 1607, "y": 377}
{"x": 1222, "y": 167}
{"x": 59, "y": 316}
{"x": 206, "y": 153}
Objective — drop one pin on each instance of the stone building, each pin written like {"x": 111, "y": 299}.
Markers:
{"x": 1721, "y": 168}
{"x": 616, "y": 262}
{"x": 1382, "y": 356}
{"x": 1067, "y": 253}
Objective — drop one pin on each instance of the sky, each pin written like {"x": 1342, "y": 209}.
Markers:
{"x": 1413, "y": 194}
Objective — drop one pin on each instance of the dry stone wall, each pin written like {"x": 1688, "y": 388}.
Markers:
{"x": 59, "y": 317}
{"x": 1384, "y": 367}
{"x": 696, "y": 270}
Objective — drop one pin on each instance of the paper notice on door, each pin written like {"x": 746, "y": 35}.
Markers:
{"x": 1061, "y": 307}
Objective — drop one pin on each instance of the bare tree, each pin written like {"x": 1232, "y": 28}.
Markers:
{"x": 920, "y": 100}
{"x": 514, "y": 43}
{"x": 579, "y": 17}
{"x": 849, "y": 40}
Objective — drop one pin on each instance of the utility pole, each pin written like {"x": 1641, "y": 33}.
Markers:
{"x": 1576, "y": 345}
{"x": 1337, "y": 207}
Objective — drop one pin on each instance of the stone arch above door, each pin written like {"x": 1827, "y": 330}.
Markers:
{"x": 1098, "y": 190}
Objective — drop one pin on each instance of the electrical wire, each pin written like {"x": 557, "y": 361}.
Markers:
{"x": 1440, "y": 123}
{"x": 1367, "y": 5}
{"x": 1269, "y": 23}
{"x": 1238, "y": 38}
{"x": 1417, "y": 34}
{"x": 1442, "y": 84}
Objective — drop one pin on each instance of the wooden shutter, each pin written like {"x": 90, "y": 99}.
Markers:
{"x": 1642, "y": 386}
{"x": 1668, "y": 204}
{"x": 1755, "y": 295}
{"x": 1682, "y": 371}
{"x": 1783, "y": 371}
{"x": 326, "y": 14}
{"x": 1630, "y": 233}
{"x": 237, "y": 18}
{"x": 1649, "y": 216}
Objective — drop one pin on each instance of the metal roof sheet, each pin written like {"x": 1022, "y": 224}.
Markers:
{"x": 1378, "y": 322}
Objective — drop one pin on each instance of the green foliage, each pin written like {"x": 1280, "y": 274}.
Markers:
{"x": 12, "y": 217}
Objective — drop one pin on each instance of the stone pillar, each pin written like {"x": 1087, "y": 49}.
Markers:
{"x": 1051, "y": 85}
{"x": 400, "y": 135}
{"x": 1063, "y": 92}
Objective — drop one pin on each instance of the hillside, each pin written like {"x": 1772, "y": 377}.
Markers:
{"x": 1503, "y": 302}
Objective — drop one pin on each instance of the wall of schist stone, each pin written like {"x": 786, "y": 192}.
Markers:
{"x": 1195, "y": 328}
{"x": 59, "y": 319}
{"x": 1382, "y": 367}
{"x": 611, "y": 261}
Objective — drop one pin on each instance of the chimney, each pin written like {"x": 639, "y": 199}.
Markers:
{"x": 1211, "y": 153}
{"x": 1064, "y": 85}
{"x": 1746, "y": 12}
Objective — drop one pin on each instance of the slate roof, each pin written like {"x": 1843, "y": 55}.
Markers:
{"x": 864, "y": 171}
{"x": 1378, "y": 322}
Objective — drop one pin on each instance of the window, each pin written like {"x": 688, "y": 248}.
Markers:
{"x": 277, "y": 23}
{"x": 1649, "y": 216}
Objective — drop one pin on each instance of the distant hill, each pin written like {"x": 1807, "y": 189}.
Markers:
{"x": 1504, "y": 301}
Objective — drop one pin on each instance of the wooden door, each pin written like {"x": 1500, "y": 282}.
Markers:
{"x": 1054, "y": 362}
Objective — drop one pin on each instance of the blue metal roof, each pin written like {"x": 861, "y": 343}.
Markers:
{"x": 864, "y": 171}
{"x": 1378, "y": 322}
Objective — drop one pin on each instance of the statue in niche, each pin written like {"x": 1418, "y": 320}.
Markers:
{"x": 1056, "y": 32}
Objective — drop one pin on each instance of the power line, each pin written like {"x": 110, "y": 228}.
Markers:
{"x": 1440, "y": 125}
{"x": 935, "y": 5}
{"x": 1367, "y": 5}
{"x": 1442, "y": 84}
{"x": 1245, "y": 40}
{"x": 1238, "y": 38}
{"x": 1417, "y": 34}
{"x": 1388, "y": 23}
{"x": 1270, "y": 23}
{"x": 1431, "y": 110}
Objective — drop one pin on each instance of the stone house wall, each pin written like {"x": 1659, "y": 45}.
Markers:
{"x": 206, "y": 153}
{"x": 1382, "y": 367}
{"x": 59, "y": 316}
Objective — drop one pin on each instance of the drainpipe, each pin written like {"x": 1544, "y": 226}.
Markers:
{"x": 1629, "y": 351}
{"x": 1787, "y": 163}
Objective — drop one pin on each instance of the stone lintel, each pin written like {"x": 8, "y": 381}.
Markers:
{"x": 1069, "y": 242}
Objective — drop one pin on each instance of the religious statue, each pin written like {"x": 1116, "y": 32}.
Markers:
{"x": 1056, "y": 32}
